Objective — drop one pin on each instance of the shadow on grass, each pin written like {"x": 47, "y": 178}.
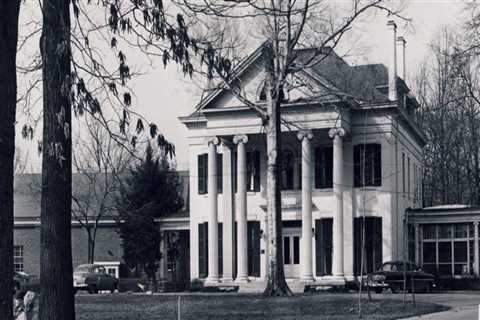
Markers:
{"x": 233, "y": 307}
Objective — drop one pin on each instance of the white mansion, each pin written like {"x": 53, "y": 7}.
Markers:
{"x": 352, "y": 150}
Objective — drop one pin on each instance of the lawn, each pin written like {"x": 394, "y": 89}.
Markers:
{"x": 233, "y": 307}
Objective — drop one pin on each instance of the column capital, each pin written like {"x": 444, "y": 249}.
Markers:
{"x": 241, "y": 138}
{"x": 337, "y": 131}
{"x": 475, "y": 223}
{"x": 215, "y": 140}
{"x": 304, "y": 134}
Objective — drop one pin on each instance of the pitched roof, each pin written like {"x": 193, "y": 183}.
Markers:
{"x": 27, "y": 194}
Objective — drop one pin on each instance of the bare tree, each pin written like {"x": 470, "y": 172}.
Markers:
{"x": 288, "y": 28}
{"x": 99, "y": 163}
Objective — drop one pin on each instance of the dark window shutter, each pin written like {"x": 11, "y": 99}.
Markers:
{"x": 220, "y": 249}
{"x": 253, "y": 245}
{"x": 234, "y": 171}
{"x": 377, "y": 247}
{"x": 323, "y": 246}
{"x": 220, "y": 172}
{"x": 377, "y": 166}
{"x": 203, "y": 250}
{"x": 256, "y": 177}
{"x": 357, "y": 245}
{"x": 202, "y": 173}
{"x": 318, "y": 248}
{"x": 318, "y": 167}
{"x": 328, "y": 167}
{"x": 357, "y": 166}
{"x": 235, "y": 249}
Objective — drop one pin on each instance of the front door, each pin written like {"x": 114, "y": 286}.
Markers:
{"x": 291, "y": 252}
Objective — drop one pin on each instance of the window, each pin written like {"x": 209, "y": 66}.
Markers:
{"x": 450, "y": 253}
{"x": 287, "y": 166}
{"x": 253, "y": 170}
{"x": 18, "y": 258}
{"x": 203, "y": 173}
{"x": 324, "y": 167}
{"x": 372, "y": 253}
{"x": 367, "y": 165}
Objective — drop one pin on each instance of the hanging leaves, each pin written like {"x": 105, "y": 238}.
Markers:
{"x": 140, "y": 128}
{"x": 153, "y": 130}
{"x": 127, "y": 99}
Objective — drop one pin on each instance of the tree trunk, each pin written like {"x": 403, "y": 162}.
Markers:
{"x": 276, "y": 284}
{"x": 9, "y": 11}
{"x": 56, "y": 280}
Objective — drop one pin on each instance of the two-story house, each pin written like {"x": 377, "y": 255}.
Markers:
{"x": 351, "y": 161}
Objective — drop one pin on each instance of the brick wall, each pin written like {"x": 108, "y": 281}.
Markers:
{"x": 107, "y": 246}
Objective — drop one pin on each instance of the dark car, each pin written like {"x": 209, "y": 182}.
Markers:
{"x": 20, "y": 279}
{"x": 391, "y": 275}
{"x": 93, "y": 278}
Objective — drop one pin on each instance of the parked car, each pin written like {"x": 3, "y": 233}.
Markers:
{"x": 93, "y": 278}
{"x": 391, "y": 275}
{"x": 19, "y": 279}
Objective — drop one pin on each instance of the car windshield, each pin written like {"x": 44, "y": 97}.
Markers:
{"x": 84, "y": 268}
{"x": 398, "y": 266}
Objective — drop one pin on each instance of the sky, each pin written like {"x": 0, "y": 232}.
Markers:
{"x": 162, "y": 95}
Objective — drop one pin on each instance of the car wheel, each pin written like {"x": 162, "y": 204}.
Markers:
{"x": 114, "y": 287}
{"x": 92, "y": 289}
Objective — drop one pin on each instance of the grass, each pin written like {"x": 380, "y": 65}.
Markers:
{"x": 233, "y": 307}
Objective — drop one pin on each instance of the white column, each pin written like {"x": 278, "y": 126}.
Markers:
{"x": 476, "y": 266}
{"x": 213, "y": 211}
{"x": 241, "y": 209}
{"x": 227, "y": 214}
{"x": 306, "y": 249}
{"x": 337, "y": 134}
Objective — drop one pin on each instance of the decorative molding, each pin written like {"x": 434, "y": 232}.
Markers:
{"x": 304, "y": 134}
{"x": 337, "y": 131}
{"x": 242, "y": 138}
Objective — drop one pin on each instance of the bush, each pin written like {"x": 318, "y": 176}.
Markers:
{"x": 196, "y": 285}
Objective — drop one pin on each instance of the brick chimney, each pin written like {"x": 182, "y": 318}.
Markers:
{"x": 392, "y": 64}
{"x": 401, "y": 67}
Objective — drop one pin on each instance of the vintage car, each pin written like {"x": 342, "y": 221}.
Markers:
{"x": 392, "y": 275}
{"x": 20, "y": 279}
{"x": 93, "y": 278}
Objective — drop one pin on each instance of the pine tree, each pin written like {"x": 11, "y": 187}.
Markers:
{"x": 152, "y": 190}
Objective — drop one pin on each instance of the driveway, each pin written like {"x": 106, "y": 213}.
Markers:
{"x": 464, "y": 305}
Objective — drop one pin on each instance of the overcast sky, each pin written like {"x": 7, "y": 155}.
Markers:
{"x": 164, "y": 94}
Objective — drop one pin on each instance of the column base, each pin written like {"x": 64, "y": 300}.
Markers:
{"x": 212, "y": 280}
{"x": 227, "y": 280}
{"x": 332, "y": 280}
{"x": 307, "y": 278}
{"x": 242, "y": 279}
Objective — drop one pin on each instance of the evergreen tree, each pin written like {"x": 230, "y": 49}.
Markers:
{"x": 152, "y": 190}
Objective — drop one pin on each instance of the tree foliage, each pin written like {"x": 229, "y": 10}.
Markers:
{"x": 152, "y": 190}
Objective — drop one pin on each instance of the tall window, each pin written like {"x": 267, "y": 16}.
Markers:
{"x": 372, "y": 244}
{"x": 324, "y": 167}
{"x": 288, "y": 165}
{"x": 18, "y": 258}
{"x": 202, "y": 171}
{"x": 367, "y": 160}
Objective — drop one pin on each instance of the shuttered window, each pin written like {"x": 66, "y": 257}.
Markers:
{"x": 253, "y": 171}
{"x": 203, "y": 173}
{"x": 323, "y": 246}
{"x": 367, "y": 160}
{"x": 253, "y": 245}
{"x": 203, "y": 250}
{"x": 372, "y": 251}
{"x": 323, "y": 167}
